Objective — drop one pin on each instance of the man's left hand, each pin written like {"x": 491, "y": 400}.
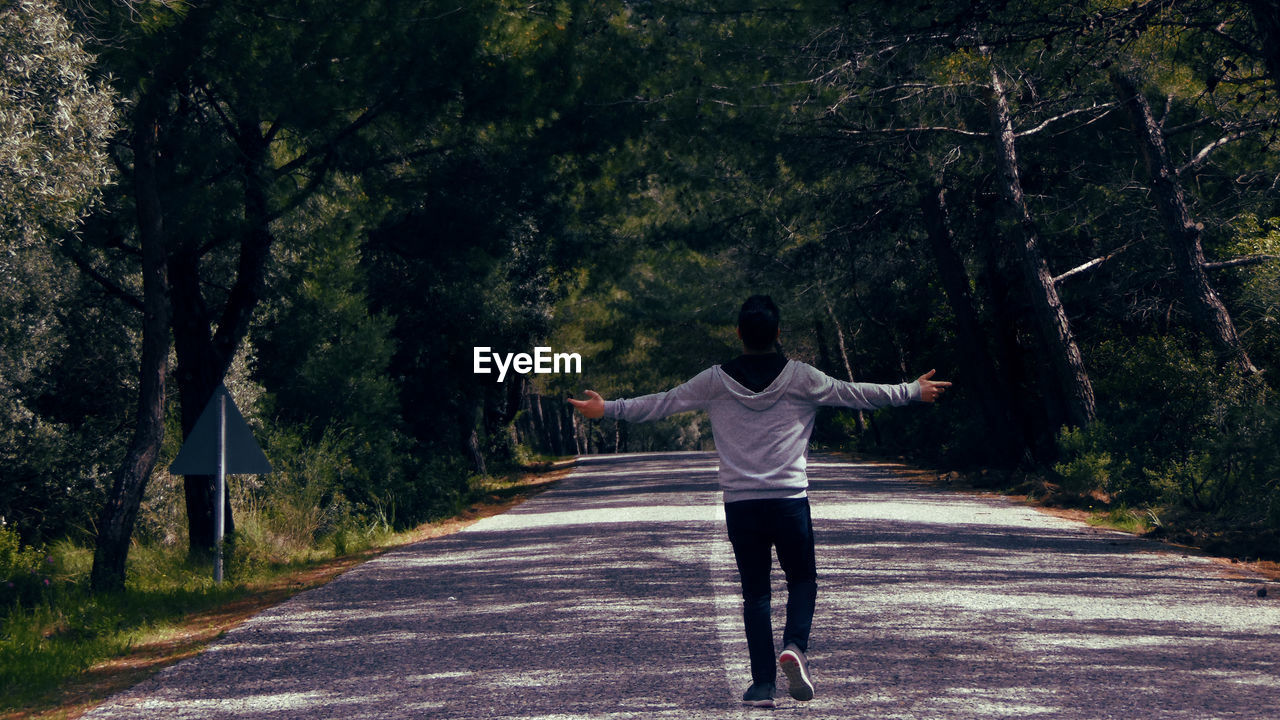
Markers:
{"x": 931, "y": 390}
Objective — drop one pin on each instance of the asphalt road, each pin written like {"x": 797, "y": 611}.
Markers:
{"x": 614, "y": 595}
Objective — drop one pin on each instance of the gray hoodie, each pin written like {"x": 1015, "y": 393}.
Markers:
{"x": 762, "y": 437}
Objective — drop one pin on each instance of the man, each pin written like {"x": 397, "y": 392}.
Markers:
{"x": 762, "y": 409}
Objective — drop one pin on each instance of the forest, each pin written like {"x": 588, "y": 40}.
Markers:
{"x": 1069, "y": 209}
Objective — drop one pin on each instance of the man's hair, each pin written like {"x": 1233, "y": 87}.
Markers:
{"x": 758, "y": 323}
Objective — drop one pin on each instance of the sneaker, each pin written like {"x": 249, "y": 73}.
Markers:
{"x": 760, "y": 695}
{"x": 796, "y": 668}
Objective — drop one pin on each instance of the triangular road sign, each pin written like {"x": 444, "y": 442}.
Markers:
{"x": 199, "y": 454}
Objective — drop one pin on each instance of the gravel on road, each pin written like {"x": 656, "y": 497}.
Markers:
{"x": 614, "y": 595}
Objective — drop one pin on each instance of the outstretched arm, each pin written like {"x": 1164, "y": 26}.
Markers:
{"x": 869, "y": 396}
{"x": 646, "y": 408}
{"x": 592, "y": 408}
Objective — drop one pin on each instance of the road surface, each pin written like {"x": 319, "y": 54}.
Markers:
{"x": 614, "y": 595}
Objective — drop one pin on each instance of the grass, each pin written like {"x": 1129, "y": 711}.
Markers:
{"x": 1121, "y": 518}
{"x": 63, "y": 654}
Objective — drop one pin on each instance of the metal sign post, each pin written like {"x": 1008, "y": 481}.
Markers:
{"x": 218, "y": 513}
{"x": 222, "y": 443}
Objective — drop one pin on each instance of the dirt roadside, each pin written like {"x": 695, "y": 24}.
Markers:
{"x": 197, "y": 630}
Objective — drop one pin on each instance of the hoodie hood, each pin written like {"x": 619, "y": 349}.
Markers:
{"x": 764, "y": 399}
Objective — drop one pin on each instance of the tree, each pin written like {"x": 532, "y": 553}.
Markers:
{"x": 1050, "y": 319}
{"x": 119, "y": 514}
{"x": 322, "y": 358}
{"x": 912, "y": 100}
{"x": 975, "y": 359}
{"x": 55, "y": 123}
{"x": 251, "y": 116}
{"x": 486, "y": 232}
{"x": 1182, "y": 231}
{"x": 1266, "y": 17}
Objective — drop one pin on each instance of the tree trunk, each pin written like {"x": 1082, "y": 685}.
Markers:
{"x": 824, "y": 357}
{"x": 555, "y": 429}
{"x": 115, "y": 524}
{"x": 470, "y": 422}
{"x": 1266, "y": 17}
{"x": 197, "y": 379}
{"x": 534, "y": 419}
{"x": 1009, "y": 443}
{"x": 119, "y": 514}
{"x": 477, "y": 455}
{"x": 579, "y": 447}
{"x": 515, "y": 392}
{"x": 543, "y": 428}
{"x": 1181, "y": 231}
{"x": 205, "y": 354}
{"x": 1048, "y": 316}
{"x": 569, "y": 426}
{"x": 860, "y": 417}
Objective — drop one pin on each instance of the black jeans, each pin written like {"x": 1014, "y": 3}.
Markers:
{"x": 755, "y": 527}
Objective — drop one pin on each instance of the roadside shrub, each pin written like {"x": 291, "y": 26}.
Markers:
{"x": 439, "y": 487}
{"x": 285, "y": 514}
{"x": 1180, "y": 432}
{"x": 1087, "y": 463}
{"x": 1189, "y": 482}
{"x": 26, "y": 573}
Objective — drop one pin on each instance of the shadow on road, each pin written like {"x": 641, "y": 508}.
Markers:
{"x": 598, "y": 599}
{"x": 592, "y": 599}
{"x": 945, "y": 606}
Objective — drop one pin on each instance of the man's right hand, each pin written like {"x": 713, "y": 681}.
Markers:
{"x": 592, "y": 408}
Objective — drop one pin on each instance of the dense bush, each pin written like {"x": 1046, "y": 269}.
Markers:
{"x": 1177, "y": 434}
{"x": 25, "y": 572}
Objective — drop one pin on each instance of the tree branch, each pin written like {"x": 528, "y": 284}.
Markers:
{"x": 302, "y": 194}
{"x": 1201, "y": 122}
{"x": 1200, "y": 157}
{"x": 107, "y": 283}
{"x": 1239, "y": 262}
{"x": 1089, "y": 265}
{"x": 228, "y": 125}
{"x": 326, "y": 149}
{"x": 904, "y": 131}
{"x": 409, "y": 155}
{"x": 1104, "y": 106}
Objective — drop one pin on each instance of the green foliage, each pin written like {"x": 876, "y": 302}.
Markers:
{"x": 25, "y": 572}
{"x": 288, "y": 513}
{"x": 323, "y": 494}
{"x": 1179, "y": 432}
{"x": 55, "y": 121}
{"x": 1257, "y": 302}
{"x": 324, "y": 359}
{"x": 55, "y": 471}
{"x": 613, "y": 179}
{"x": 32, "y": 662}
{"x": 1087, "y": 465}
{"x": 1187, "y": 482}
